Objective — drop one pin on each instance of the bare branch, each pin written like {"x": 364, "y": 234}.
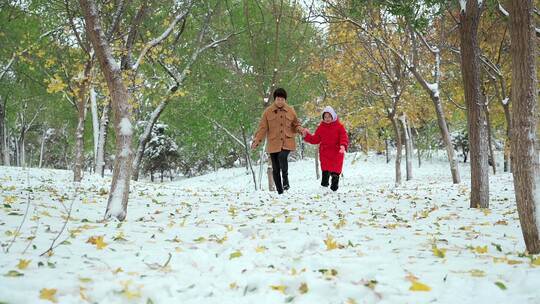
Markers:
{"x": 125, "y": 62}
{"x": 84, "y": 46}
{"x": 455, "y": 103}
{"x": 217, "y": 124}
{"x": 153, "y": 43}
{"x": 116, "y": 19}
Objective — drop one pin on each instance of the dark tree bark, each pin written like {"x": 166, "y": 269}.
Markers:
{"x": 476, "y": 118}
{"x": 525, "y": 163}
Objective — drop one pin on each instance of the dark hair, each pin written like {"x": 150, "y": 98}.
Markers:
{"x": 280, "y": 92}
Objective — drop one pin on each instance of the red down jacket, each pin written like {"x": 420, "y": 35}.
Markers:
{"x": 330, "y": 136}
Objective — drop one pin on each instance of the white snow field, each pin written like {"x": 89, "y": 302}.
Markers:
{"x": 213, "y": 239}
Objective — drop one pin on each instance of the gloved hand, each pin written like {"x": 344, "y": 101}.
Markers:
{"x": 304, "y": 132}
{"x": 342, "y": 149}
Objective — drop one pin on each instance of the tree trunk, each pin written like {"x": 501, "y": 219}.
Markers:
{"x": 387, "y": 151}
{"x": 248, "y": 157}
{"x": 145, "y": 137}
{"x": 491, "y": 158}
{"x": 525, "y": 162}
{"x": 119, "y": 194}
{"x": 445, "y": 134}
{"x": 408, "y": 153}
{"x": 470, "y": 67}
{"x": 95, "y": 123}
{"x": 102, "y": 140}
{"x": 418, "y": 151}
{"x": 7, "y": 160}
{"x": 270, "y": 176}
{"x": 22, "y": 149}
{"x": 397, "y": 135}
{"x": 16, "y": 158}
{"x": 366, "y": 138}
{"x": 507, "y": 152}
{"x": 79, "y": 133}
{"x": 42, "y": 149}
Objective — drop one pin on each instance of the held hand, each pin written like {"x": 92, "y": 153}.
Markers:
{"x": 304, "y": 132}
{"x": 342, "y": 149}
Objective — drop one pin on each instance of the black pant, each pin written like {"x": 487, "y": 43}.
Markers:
{"x": 279, "y": 163}
{"x": 335, "y": 180}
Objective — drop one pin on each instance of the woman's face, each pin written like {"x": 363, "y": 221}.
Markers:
{"x": 280, "y": 101}
{"x": 327, "y": 117}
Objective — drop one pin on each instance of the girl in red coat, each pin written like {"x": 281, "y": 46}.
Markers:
{"x": 332, "y": 139}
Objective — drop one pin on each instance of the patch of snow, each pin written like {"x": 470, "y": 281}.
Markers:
{"x": 463, "y": 5}
{"x": 116, "y": 199}
{"x": 505, "y": 101}
{"x": 126, "y": 128}
{"x": 434, "y": 87}
{"x": 504, "y": 11}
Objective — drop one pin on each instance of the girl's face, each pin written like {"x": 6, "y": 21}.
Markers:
{"x": 327, "y": 117}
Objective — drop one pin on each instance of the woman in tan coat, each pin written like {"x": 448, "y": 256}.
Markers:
{"x": 278, "y": 124}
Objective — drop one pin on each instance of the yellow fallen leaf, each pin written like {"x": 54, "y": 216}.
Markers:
{"x": 48, "y": 294}
{"x": 536, "y": 262}
{"x": 330, "y": 243}
{"x": 23, "y": 264}
{"x": 280, "y": 288}
{"x": 85, "y": 280}
{"x": 288, "y": 219}
{"x": 513, "y": 262}
{"x": 439, "y": 252}
{"x": 13, "y": 273}
{"x": 130, "y": 294}
{"x": 499, "y": 260}
{"x": 477, "y": 273}
{"x": 9, "y": 199}
{"x": 340, "y": 224}
{"x": 82, "y": 293}
{"x": 232, "y": 211}
{"x": 235, "y": 254}
{"x": 260, "y": 249}
{"x": 200, "y": 239}
{"x": 351, "y": 301}
{"x": 417, "y": 286}
{"x": 98, "y": 241}
{"x": 481, "y": 250}
{"x": 303, "y": 288}
{"x": 233, "y": 285}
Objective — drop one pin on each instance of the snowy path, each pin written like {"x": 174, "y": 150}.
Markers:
{"x": 368, "y": 243}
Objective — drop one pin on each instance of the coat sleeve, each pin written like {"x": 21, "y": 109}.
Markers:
{"x": 261, "y": 131}
{"x": 343, "y": 137}
{"x": 314, "y": 139}
{"x": 296, "y": 123}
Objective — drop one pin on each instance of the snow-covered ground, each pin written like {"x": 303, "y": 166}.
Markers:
{"x": 213, "y": 239}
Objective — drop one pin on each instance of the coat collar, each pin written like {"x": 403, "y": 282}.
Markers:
{"x": 274, "y": 108}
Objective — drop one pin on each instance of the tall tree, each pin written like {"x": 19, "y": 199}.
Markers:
{"x": 469, "y": 18}
{"x": 119, "y": 193}
{"x": 525, "y": 158}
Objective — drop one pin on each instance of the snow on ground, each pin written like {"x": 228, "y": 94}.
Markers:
{"x": 213, "y": 239}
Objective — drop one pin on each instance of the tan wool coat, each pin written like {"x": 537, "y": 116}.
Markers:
{"x": 279, "y": 125}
